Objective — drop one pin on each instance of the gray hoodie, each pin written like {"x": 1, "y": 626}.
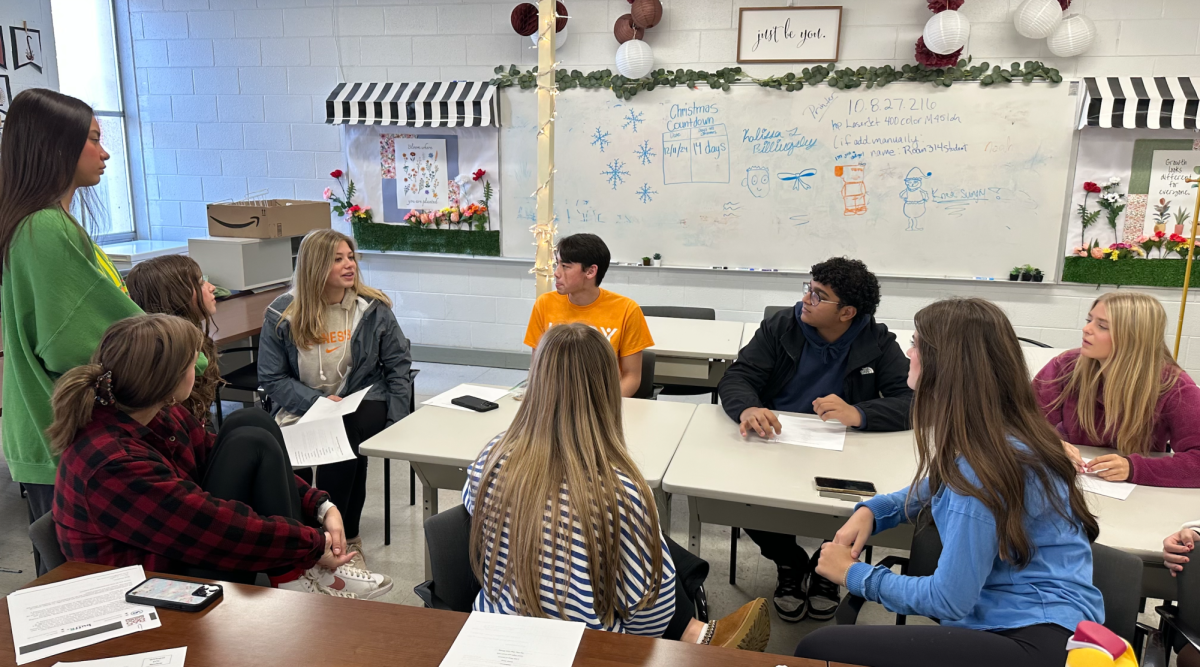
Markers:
{"x": 379, "y": 358}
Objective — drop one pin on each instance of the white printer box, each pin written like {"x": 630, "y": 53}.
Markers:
{"x": 243, "y": 263}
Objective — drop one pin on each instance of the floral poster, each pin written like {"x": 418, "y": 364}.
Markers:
{"x": 420, "y": 166}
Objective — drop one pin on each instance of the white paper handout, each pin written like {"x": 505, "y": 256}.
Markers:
{"x": 499, "y": 640}
{"x": 319, "y": 437}
{"x": 811, "y": 432}
{"x": 443, "y": 399}
{"x": 1092, "y": 482}
{"x": 66, "y": 615}
{"x": 168, "y": 657}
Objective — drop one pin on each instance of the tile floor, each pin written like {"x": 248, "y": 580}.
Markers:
{"x": 404, "y": 559}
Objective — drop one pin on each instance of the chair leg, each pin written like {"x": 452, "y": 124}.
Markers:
{"x": 412, "y": 485}
{"x": 387, "y": 502}
{"x": 733, "y": 540}
{"x": 714, "y": 397}
{"x": 220, "y": 412}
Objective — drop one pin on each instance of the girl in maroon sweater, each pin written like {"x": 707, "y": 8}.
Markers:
{"x": 1123, "y": 390}
{"x": 140, "y": 481}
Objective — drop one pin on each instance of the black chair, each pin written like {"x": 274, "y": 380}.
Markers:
{"x": 1035, "y": 343}
{"x": 242, "y": 379}
{"x": 1117, "y": 574}
{"x": 387, "y": 468}
{"x": 771, "y": 310}
{"x": 46, "y": 551}
{"x": 647, "y": 389}
{"x": 1179, "y": 623}
{"x": 685, "y": 313}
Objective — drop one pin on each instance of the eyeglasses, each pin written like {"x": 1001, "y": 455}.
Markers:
{"x": 815, "y": 299}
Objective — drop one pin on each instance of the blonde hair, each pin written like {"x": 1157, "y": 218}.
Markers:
{"x": 566, "y": 439}
{"x": 147, "y": 356}
{"x": 1137, "y": 373}
{"x": 306, "y": 312}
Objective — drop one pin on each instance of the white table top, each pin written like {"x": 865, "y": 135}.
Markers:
{"x": 695, "y": 339}
{"x": 454, "y": 437}
{"x": 714, "y": 461}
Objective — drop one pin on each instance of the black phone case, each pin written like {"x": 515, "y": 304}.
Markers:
{"x": 473, "y": 403}
{"x": 170, "y": 604}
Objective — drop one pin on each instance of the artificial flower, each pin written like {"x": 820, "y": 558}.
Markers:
{"x": 354, "y": 209}
{"x": 478, "y": 174}
{"x": 325, "y": 195}
{"x": 1114, "y": 181}
{"x": 1091, "y": 187}
{"x": 1115, "y": 257}
{"x": 1159, "y": 234}
{"x": 454, "y": 217}
{"x": 1141, "y": 239}
{"x": 935, "y": 60}
{"x": 1178, "y": 239}
{"x": 1097, "y": 253}
{"x": 336, "y": 173}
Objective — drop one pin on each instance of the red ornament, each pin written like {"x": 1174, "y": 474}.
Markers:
{"x": 561, "y": 11}
{"x": 646, "y": 13}
{"x": 930, "y": 59}
{"x": 336, "y": 173}
{"x": 624, "y": 29}
{"x": 524, "y": 19}
{"x": 1064, "y": 4}
{"x": 938, "y": 6}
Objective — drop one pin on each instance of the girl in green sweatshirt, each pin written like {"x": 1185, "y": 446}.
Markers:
{"x": 58, "y": 290}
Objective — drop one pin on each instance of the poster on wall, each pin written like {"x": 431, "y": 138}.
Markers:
{"x": 26, "y": 47}
{"x": 402, "y": 170}
{"x": 5, "y": 94}
{"x": 1170, "y": 199}
{"x": 3, "y": 53}
{"x": 789, "y": 34}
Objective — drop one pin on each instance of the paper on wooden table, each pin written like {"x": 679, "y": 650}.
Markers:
{"x": 443, "y": 399}
{"x": 499, "y": 640}
{"x": 811, "y": 432}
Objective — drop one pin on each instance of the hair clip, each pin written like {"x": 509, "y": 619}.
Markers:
{"x": 103, "y": 387}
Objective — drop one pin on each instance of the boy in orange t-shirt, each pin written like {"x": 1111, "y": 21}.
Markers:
{"x": 581, "y": 260}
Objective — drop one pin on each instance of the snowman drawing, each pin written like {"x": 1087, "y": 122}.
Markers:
{"x": 914, "y": 197}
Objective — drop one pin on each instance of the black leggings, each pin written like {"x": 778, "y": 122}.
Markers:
{"x": 250, "y": 464}
{"x": 346, "y": 481}
{"x": 781, "y": 549}
{"x": 923, "y": 645}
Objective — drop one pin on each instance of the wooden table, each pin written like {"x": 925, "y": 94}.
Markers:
{"x": 241, "y": 316}
{"x": 263, "y": 626}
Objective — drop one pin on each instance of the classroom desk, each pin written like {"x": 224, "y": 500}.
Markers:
{"x": 439, "y": 443}
{"x": 263, "y": 626}
{"x": 241, "y": 316}
{"x": 903, "y": 336}
{"x": 693, "y": 352}
{"x": 752, "y": 483}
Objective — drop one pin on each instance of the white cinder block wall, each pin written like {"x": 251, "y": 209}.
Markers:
{"x": 231, "y": 99}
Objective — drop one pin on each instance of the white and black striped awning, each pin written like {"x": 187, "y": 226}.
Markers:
{"x": 1161, "y": 102}
{"x": 420, "y": 104}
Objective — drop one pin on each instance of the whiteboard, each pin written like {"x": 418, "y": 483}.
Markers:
{"x": 914, "y": 180}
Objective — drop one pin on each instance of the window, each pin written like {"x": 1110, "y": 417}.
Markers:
{"x": 87, "y": 69}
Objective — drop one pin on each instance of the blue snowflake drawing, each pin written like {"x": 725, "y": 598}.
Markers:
{"x": 634, "y": 118}
{"x": 600, "y": 138}
{"x": 615, "y": 173}
{"x": 646, "y": 194}
{"x": 644, "y": 152}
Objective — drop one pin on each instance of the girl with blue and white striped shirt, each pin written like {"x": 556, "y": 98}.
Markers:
{"x": 563, "y": 465}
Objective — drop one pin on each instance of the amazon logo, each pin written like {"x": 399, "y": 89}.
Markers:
{"x": 253, "y": 223}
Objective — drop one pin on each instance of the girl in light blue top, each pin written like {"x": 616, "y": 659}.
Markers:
{"x": 1015, "y": 574}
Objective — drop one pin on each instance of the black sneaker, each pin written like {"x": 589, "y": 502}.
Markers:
{"x": 822, "y": 594}
{"x": 790, "y": 599}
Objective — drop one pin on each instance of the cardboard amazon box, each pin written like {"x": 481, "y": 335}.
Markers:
{"x": 267, "y": 218}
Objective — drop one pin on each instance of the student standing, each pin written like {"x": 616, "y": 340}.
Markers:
{"x": 58, "y": 290}
{"x": 141, "y": 482}
{"x": 1014, "y": 577}
{"x": 1122, "y": 390}
{"x": 580, "y": 262}
{"x": 175, "y": 285}
{"x": 827, "y": 356}
{"x": 565, "y": 456}
{"x": 332, "y": 336}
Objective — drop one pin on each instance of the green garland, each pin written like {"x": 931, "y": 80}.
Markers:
{"x": 843, "y": 79}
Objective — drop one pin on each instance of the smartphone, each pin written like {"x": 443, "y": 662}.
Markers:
{"x": 855, "y": 487}
{"x": 476, "y": 404}
{"x": 174, "y": 594}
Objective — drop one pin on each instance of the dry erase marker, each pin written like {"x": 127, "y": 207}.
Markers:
{"x": 723, "y": 268}
{"x": 983, "y": 278}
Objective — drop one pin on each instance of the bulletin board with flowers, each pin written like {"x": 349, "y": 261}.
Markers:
{"x": 1127, "y": 226}
{"x": 426, "y": 189}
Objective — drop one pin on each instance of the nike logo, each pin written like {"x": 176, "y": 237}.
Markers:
{"x": 331, "y": 350}
{"x": 253, "y": 222}
{"x": 338, "y": 584}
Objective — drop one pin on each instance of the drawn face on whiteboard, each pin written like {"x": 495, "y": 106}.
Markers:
{"x": 913, "y": 184}
{"x": 758, "y": 181}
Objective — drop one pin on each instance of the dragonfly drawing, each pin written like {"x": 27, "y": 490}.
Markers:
{"x": 797, "y": 180}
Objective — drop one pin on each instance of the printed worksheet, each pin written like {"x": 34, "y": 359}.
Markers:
{"x": 499, "y": 640}
{"x": 811, "y": 432}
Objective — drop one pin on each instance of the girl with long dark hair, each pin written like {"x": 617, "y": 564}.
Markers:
{"x": 58, "y": 290}
{"x": 1015, "y": 573}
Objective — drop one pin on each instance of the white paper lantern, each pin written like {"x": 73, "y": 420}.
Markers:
{"x": 1037, "y": 19}
{"x": 947, "y": 32}
{"x": 1072, "y": 37}
{"x": 560, "y": 37}
{"x": 635, "y": 59}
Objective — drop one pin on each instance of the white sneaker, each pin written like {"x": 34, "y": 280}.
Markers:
{"x": 363, "y": 584}
{"x": 309, "y": 582}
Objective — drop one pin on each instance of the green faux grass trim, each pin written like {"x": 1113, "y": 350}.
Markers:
{"x": 376, "y": 236}
{"x": 1149, "y": 272}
